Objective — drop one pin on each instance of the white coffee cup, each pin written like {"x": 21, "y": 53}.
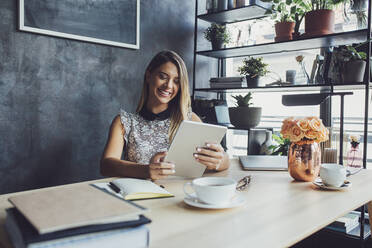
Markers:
{"x": 212, "y": 190}
{"x": 332, "y": 174}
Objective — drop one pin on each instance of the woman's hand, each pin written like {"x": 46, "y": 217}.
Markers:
{"x": 158, "y": 168}
{"x": 212, "y": 155}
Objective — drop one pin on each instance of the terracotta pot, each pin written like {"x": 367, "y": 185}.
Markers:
{"x": 354, "y": 71}
{"x": 284, "y": 31}
{"x": 319, "y": 22}
{"x": 304, "y": 161}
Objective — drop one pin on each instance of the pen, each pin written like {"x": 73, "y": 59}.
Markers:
{"x": 114, "y": 188}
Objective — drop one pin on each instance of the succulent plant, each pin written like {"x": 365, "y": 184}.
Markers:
{"x": 243, "y": 101}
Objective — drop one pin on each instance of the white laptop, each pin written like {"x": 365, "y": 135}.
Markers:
{"x": 264, "y": 162}
{"x": 190, "y": 135}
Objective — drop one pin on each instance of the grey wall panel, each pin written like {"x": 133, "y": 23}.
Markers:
{"x": 59, "y": 96}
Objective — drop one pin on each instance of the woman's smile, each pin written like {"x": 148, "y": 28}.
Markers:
{"x": 164, "y": 93}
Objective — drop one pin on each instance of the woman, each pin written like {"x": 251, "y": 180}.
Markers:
{"x": 146, "y": 134}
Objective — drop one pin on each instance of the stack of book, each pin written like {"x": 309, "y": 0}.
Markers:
{"x": 226, "y": 82}
{"x": 346, "y": 223}
{"x": 75, "y": 217}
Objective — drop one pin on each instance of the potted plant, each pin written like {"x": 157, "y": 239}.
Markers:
{"x": 321, "y": 19}
{"x": 288, "y": 15}
{"x": 298, "y": 11}
{"x": 284, "y": 24}
{"x": 359, "y": 9}
{"x": 217, "y": 35}
{"x": 349, "y": 63}
{"x": 244, "y": 115}
{"x": 253, "y": 69}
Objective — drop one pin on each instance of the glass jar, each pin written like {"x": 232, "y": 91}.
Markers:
{"x": 302, "y": 77}
{"x": 304, "y": 160}
{"x": 354, "y": 156}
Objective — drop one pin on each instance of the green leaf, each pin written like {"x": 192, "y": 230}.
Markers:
{"x": 288, "y": 2}
{"x": 363, "y": 55}
{"x": 293, "y": 10}
{"x": 278, "y": 139}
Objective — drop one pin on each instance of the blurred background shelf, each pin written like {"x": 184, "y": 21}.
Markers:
{"x": 345, "y": 38}
{"x": 290, "y": 88}
{"x": 255, "y": 10}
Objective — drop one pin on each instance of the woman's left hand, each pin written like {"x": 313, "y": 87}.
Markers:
{"x": 211, "y": 155}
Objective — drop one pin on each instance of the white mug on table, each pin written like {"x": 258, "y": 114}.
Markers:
{"x": 212, "y": 190}
{"x": 333, "y": 174}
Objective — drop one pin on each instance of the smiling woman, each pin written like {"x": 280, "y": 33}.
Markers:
{"x": 146, "y": 134}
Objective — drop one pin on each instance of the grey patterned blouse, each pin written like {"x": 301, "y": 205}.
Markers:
{"x": 143, "y": 138}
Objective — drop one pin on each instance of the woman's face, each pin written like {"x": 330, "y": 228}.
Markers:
{"x": 164, "y": 84}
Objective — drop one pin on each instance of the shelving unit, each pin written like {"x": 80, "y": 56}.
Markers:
{"x": 290, "y": 88}
{"x": 255, "y": 11}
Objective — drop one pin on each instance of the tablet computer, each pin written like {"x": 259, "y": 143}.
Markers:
{"x": 190, "y": 135}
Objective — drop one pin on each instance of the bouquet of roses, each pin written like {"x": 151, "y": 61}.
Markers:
{"x": 354, "y": 140}
{"x": 304, "y": 130}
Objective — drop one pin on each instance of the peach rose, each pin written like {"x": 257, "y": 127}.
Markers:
{"x": 323, "y": 135}
{"x": 316, "y": 124}
{"x": 286, "y": 127}
{"x": 296, "y": 134}
{"x": 303, "y": 124}
{"x": 311, "y": 134}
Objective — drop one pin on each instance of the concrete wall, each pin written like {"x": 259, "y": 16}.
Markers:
{"x": 59, "y": 96}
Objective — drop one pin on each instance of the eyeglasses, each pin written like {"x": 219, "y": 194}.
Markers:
{"x": 243, "y": 183}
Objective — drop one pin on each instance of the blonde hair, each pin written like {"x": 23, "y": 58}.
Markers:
{"x": 180, "y": 105}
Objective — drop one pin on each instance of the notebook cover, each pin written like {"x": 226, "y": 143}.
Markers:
{"x": 68, "y": 207}
{"x": 30, "y": 234}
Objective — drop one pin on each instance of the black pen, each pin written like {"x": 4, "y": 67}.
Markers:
{"x": 114, "y": 188}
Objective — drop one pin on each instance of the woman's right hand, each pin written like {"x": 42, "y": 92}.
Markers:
{"x": 158, "y": 168}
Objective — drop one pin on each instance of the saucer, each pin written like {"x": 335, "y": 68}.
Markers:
{"x": 236, "y": 201}
{"x": 318, "y": 182}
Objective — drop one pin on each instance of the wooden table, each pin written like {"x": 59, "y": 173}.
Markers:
{"x": 279, "y": 212}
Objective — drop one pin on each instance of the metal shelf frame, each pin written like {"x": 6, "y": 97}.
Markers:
{"x": 254, "y": 11}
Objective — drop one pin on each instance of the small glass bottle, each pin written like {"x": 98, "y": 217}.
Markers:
{"x": 354, "y": 156}
{"x": 302, "y": 77}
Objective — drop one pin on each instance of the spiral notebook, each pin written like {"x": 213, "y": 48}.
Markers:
{"x": 134, "y": 189}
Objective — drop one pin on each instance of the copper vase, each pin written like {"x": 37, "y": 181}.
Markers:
{"x": 304, "y": 161}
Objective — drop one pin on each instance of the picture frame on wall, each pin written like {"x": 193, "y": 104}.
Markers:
{"x": 108, "y": 22}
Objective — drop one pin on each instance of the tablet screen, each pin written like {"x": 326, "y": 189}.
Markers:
{"x": 189, "y": 136}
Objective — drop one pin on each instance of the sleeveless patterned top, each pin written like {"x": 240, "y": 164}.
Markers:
{"x": 145, "y": 136}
